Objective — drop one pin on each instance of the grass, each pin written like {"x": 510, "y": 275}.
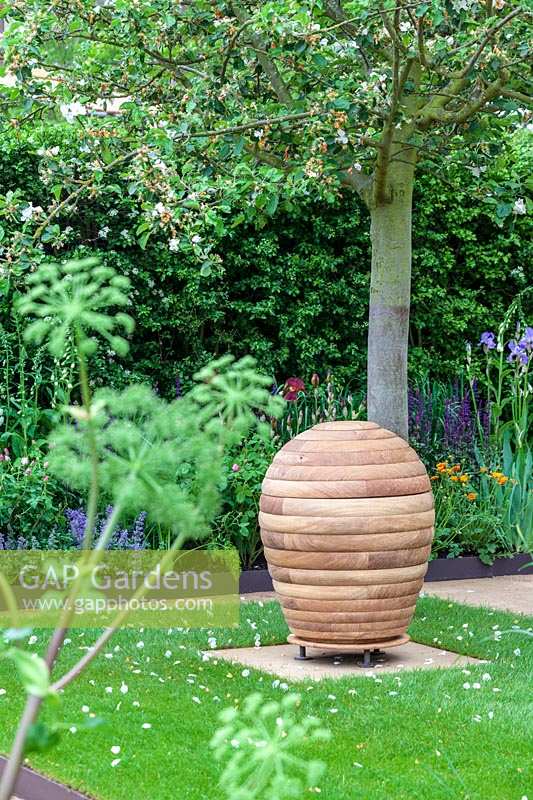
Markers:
{"x": 420, "y": 734}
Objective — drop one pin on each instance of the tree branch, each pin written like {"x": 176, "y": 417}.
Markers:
{"x": 249, "y": 125}
{"x": 421, "y": 43}
{"x": 469, "y": 109}
{"x": 487, "y": 38}
{"x": 334, "y": 11}
{"x": 360, "y": 182}
{"x": 231, "y": 45}
{"x": 268, "y": 65}
{"x": 81, "y": 188}
{"x": 527, "y": 99}
{"x": 383, "y": 159}
{"x": 392, "y": 30}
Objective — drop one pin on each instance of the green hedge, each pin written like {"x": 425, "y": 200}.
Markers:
{"x": 294, "y": 293}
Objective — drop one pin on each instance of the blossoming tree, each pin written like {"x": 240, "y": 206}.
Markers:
{"x": 212, "y": 106}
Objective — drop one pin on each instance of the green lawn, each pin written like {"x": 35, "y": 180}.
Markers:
{"x": 428, "y": 734}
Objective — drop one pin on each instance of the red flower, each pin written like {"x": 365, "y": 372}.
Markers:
{"x": 293, "y": 386}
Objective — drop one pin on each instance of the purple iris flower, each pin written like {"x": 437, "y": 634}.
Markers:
{"x": 488, "y": 340}
{"x": 517, "y": 351}
{"x": 526, "y": 342}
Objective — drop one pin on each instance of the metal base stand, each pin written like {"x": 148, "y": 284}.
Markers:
{"x": 370, "y": 659}
{"x": 302, "y": 654}
{"x": 372, "y": 653}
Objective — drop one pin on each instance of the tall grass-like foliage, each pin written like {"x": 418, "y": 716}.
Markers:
{"x": 33, "y": 389}
{"x": 131, "y": 448}
{"x": 443, "y": 419}
{"x": 506, "y": 376}
{"x": 485, "y": 503}
{"x": 308, "y": 406}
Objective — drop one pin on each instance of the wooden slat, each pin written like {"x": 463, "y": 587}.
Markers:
{"x": 387, "y": 487}
{"x": 365, "y": 605}
{"x": 353, "y": 525}
{"x": 347, "y": 543}
{"x": 374, "y": 591}
{"x": 349, "y": 424}
{"x": 339, "y": 458}
{"x": 351, "y": 627}
{"x": 345, "y": 434}
{"x": 347, "y": 507}
{"x": 352, "y": 647}
{"x": 294, "y": 615}
{"x": 365, "y": 472}
{"x": 324, "y": 446}
{"x": 345, "y": 638}
{"x": 349, "y": 578}
{"x": 296, "y": 559}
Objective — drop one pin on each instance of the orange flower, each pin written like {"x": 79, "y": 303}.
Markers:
{"x": 454, "y": 478}
{"x": 503, "y": 480}
{"x": 464, "y": 478}
{"x": 457, "y": 468}
{"x": 471, "y": 496}
{"x": 441, "y": 466}
{"x": 495, "y": 474}
{"x": 435, "y": 477}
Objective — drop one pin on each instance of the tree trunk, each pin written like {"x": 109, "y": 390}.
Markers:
{"x": 390, "y": 293}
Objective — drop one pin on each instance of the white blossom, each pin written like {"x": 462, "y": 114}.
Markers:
{"x": 102, "y": 4}
{"x": 160, "y": 210}
{"x": 341, "y": 137}
{"x": 29, "y": 212}
{"x": 519, "y": 206}
{"x": 174, "y": 245}
{"x": 72, "y": 110}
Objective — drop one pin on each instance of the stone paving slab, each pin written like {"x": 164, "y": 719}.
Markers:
{"x": 279, "y": 660}
{"x": 506, "y": 592}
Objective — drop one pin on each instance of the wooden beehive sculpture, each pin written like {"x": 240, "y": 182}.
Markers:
{"x": 347, "y": 522}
